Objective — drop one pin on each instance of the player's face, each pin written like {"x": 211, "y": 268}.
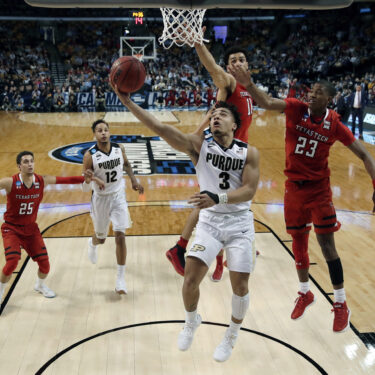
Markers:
{"x": 27, "y": 164}
{"x": 238, "y": 59}
{"x": 318, "y": 97}
{"x": 102, "y": 133}
{"x": 222, "y": 122}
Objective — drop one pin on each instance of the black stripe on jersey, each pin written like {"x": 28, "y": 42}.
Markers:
{"x": 7, "y": 248}
{"x": 13, "y": 252}
{"x": 240, "y": 143}
{"x": 116, "y": 145}
{"x": 325, "y": 226}
{"x": 329, "y": 217}
{"x": 39, "y": 255}
{"x": 299, "y": 227}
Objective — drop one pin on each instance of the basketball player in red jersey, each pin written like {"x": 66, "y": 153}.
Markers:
{"x": 233, "y": 93}
{"x": 24, "y": 194}
{"x": 311, "y": 130}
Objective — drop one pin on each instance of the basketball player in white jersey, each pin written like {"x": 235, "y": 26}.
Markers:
{"x": 228, "y": 173}
{"x": 108, "y": 160}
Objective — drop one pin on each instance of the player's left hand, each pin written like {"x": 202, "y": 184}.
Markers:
{"x": 137, "y": 187}
{"x": 200, "y": 201}
{"x": 241, "y": 74}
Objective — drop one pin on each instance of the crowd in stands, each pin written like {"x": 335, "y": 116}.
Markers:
{"x": 284, "y": 57}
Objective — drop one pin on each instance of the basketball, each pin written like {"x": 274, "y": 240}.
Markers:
{"x": 128, "y": 73}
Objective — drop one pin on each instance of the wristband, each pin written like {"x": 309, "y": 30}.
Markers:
{"x": 223, "y": 198}
{"x": 373, "y": 184}
{"x": 213, "y": 196}
{"x": 70, "y": 180}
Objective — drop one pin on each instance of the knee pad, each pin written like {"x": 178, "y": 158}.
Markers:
{"x": 44, "y": 265}
{"x": 240, "y": 306}
{"x": 10, "y": 265}
{"x": 300, "y": 250}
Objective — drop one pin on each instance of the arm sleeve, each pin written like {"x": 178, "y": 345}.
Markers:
{"x": 344, "y": 135}
{"x": 70, "y": 180}
{"x": 294, "y": 108}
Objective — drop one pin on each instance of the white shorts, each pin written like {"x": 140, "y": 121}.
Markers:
{"x": 109, "y": 208}
{"x": 233, "y": 232}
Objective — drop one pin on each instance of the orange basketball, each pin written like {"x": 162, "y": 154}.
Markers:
{"x": 128, "y": 73}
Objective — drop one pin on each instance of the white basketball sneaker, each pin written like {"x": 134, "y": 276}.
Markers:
{"x": 121, "y": 286}
{"x": 93, "y": 252}
{"x": 47, "y": 292}
{"x": 224, "y": 349}
{"x": 185, "y": 338}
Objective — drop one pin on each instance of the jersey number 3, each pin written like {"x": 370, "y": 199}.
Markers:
{"x": 26, "y": 208}
{"x": 225, "y": 180}
{"x": 302, "y": 149}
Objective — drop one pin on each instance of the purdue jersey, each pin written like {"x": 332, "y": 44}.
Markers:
{"x": 219, "y": 170}
{"x": 109, "y": 168}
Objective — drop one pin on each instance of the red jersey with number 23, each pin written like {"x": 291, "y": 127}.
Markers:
{"x": 307, "y": 143}
{"x": 244, "y": 104}
{"x": 23, "y": 202}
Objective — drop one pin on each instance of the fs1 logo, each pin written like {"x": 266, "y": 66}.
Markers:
{"x": 147, "y": 155}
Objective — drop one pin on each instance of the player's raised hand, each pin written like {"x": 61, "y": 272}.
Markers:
{"x": 124, "y": 97}
{"x": 241, "y": 74}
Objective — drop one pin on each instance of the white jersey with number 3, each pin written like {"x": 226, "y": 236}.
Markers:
{"x": 109, "y": 168}
{"x": 219, "y": 170}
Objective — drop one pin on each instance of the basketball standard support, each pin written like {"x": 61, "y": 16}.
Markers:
{"x": 190, "y": 4}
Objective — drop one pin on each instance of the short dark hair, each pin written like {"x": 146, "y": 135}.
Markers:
{"x": 231, "y": 51}
{"x": 21, "y": 154}
{"x": 233, "y": 109}
{"x": 328, "y": 86}
{"x": 97, "y": 122}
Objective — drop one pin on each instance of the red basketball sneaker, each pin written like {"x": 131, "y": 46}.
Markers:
{"x": 301, "y": 303}
{"x": 176, "y": 256}
{"x": 342, "y": 316}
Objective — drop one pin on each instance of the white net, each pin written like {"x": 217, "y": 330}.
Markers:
{"x": 182, "y": 26}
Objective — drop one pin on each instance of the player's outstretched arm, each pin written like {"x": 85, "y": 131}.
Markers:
{"x": 243, "y": 77}
{"x": 6, "y": 183}
{"x": 221, "y": 78}
{"x": 358, "y": 149}
{"x": 246, "y": 192}
{"x": 187, "y": 143}
{"x": 52, "y": 180}
{"x": 129, "y": 170}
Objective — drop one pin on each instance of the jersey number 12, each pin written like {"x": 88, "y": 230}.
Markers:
{"x": 111, "y": 176}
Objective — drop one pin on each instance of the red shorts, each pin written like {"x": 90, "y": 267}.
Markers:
{"x": 27, "y": 237}
{"x": 307, "y": 203}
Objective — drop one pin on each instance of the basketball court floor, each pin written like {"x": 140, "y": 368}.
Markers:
{"x": 88, "y": 329}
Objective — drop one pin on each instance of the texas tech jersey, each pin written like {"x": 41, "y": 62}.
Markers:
{"x": 219, "y": 170}
{"x": 244, "y": 104}
{"x": 109, "y": 168}
{"x": 307, "y": 142}
{"x": 23, "y": 202}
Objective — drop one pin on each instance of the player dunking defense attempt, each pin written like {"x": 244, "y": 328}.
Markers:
{"x": 232, "y": 92}
{"x": 311, "y": 130}
{"x": 228, "y": 173}
{"x": 24, "y": 194}
{"x": 108, "y": 160}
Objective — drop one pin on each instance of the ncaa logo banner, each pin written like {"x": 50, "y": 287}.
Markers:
{"x": 147, "y": 155}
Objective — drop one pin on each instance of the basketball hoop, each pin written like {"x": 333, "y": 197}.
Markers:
{"x": 182, "y": 26}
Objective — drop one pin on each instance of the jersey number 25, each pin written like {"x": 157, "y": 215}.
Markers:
{"x": 26, "y": 208}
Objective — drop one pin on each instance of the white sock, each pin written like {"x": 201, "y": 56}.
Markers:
{"x": 91, "y": 243}
{"x": 121, "y": 271}
{"x": 234, "y": 328}
{"x": 190, "y": 316}
{"x": 39, "y": 282}
{"x": 339, "y": 295}
{"x": 304, "y": 287}
{"x": 2, "y": 287}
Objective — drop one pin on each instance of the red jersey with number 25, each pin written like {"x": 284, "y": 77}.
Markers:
{"x": 244, "y": 103}
{"x": 23, "y": 202}
{"x": 307, "y": 143}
